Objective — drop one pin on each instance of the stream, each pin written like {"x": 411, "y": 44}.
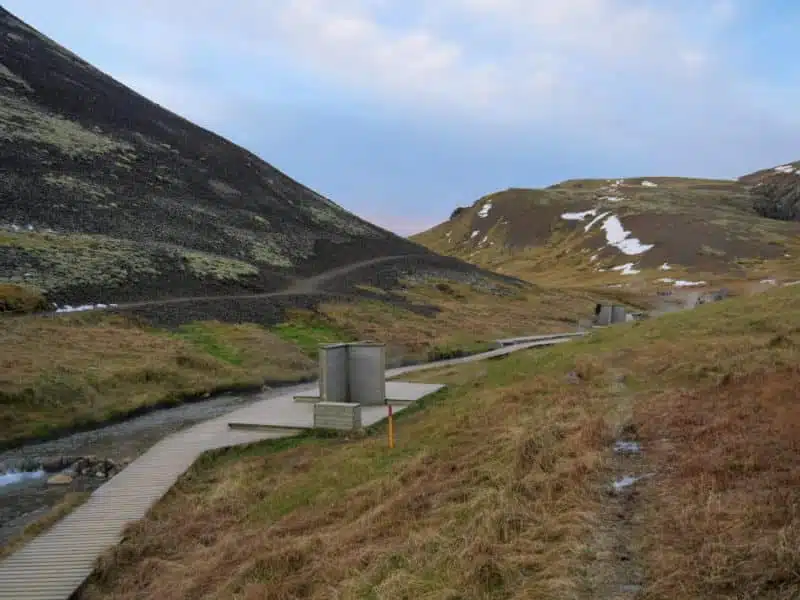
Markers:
{"x": 26, "y": 496}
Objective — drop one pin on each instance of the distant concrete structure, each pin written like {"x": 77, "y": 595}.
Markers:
{"x": 609, "y": 314}
{"x": 692, "y": 299}
{"x": 713, "y": 296}
{"x": 353, "y": 373}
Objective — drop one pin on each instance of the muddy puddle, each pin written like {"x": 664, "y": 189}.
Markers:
{"x": 25, "y": 494}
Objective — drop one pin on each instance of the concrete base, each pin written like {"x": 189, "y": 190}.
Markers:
{"x": 343, "y": 416}
{"x": 287, "y": 413}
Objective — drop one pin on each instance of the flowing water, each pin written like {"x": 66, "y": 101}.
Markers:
{"x": 25, "y": 494}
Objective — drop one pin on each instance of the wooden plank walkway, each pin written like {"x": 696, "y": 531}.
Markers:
{"x": 55, "y": 564}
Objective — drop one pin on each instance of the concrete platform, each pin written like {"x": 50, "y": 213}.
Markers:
{"x": 286, "y": 412}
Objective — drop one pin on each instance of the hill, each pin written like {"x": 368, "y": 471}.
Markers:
{"x": 216, "y": 270}
{"x": 656, "y": 460}
{"x": 776, "y": 191}
{"x": 629, "y": 231}
{"x": 107, "y": 197}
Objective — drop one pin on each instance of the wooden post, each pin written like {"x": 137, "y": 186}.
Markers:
{"x": 391, "y": 427}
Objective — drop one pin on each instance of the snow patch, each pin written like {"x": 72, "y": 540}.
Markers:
{"x": 769, "y": 281}
{"x": 593, "y": 258}
{"x": 665, "y": 267}
{"x": 649, "y": 184}
{"x": 579, "y": 216}
{"x": 595, "y": 220}
{"x": 784, "y": 169}
{"x": 484, "y": 211}
{"x": 622, "y": 447}
{"x": 617, "y": 236}
{"x": 83, "y": 307}
{"x": 612, "y": 198}
{"x": 474, "y": 234}
{"x": 682, "y": 283}
{"x": 626, "y": 269}
{"x": 628, "y": 481}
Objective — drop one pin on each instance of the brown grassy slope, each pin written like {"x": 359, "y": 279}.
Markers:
{"x": 467, "y": 316}
{"x": 19, "y": 299}
{"x": 76, "y": 370}
{"x": 496, "y": 488}
{"x": 73, "y": 370}
{"x": 707, "y": 229}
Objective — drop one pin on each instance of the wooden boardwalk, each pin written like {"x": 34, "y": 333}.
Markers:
{"x": 55, "y": 564}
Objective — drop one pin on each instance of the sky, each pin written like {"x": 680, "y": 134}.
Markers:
{"x": 401, "y": 110}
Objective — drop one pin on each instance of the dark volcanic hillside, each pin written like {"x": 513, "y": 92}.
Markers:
{"x": 106, "y": 196}
{"x": 776, "y": 191}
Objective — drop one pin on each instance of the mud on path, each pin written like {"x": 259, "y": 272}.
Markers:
{"x": 616, "y": 572}
{"x": 24, "y": 502}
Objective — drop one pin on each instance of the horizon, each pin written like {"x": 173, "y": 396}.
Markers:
{"x": 401, "y": 114}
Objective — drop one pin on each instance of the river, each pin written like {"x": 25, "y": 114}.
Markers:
{"x": 26, "y": 500}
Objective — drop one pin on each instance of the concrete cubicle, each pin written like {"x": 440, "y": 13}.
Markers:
{"x": 352, "y": 375}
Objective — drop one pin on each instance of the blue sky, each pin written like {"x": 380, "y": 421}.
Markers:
{"x": 401, "y": 110}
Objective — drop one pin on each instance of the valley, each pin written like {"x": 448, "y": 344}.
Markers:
{"x": 156, "y": 278}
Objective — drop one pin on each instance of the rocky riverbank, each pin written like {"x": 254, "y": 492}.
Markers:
{"x": 64, "y": 469}
{"x": 82, "y": 462}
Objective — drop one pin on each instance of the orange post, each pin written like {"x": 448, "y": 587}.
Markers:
{"x": 391, "y": 427}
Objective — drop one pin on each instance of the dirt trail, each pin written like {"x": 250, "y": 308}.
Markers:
{"x": 308, "y": 286}
{"x": 617, "y": 573}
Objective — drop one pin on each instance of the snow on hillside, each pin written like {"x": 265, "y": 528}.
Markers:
{"x": 787, "y": 169}
{"x": 616, "y": 235}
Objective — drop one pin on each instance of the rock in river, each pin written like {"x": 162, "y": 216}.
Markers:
{"x": 60, "y": 479}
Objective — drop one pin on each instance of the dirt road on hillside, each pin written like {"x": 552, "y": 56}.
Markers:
{"x": 300, "y": 287}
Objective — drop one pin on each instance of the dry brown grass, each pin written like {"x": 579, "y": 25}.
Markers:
{"x": 495, "y": 489}
{"x": 76, "y": 370}
{"x": 473, "y": 503}
{"x": 20, "y": 299}
{"x": 468, "y": 316}
{"x": 84, "y": 369}
{"x": 66, "y": 505}
{"x": 722, "y": 518}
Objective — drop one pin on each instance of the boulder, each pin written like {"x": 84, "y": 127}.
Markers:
{"x": 60, "y": 479}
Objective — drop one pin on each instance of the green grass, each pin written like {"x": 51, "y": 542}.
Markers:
{"x": 205, "y": 338}
{"x": 308, "y": 331}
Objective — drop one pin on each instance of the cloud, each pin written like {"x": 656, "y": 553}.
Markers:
{"x": 498, "y": 61}
{"x": 627, "y": 78}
